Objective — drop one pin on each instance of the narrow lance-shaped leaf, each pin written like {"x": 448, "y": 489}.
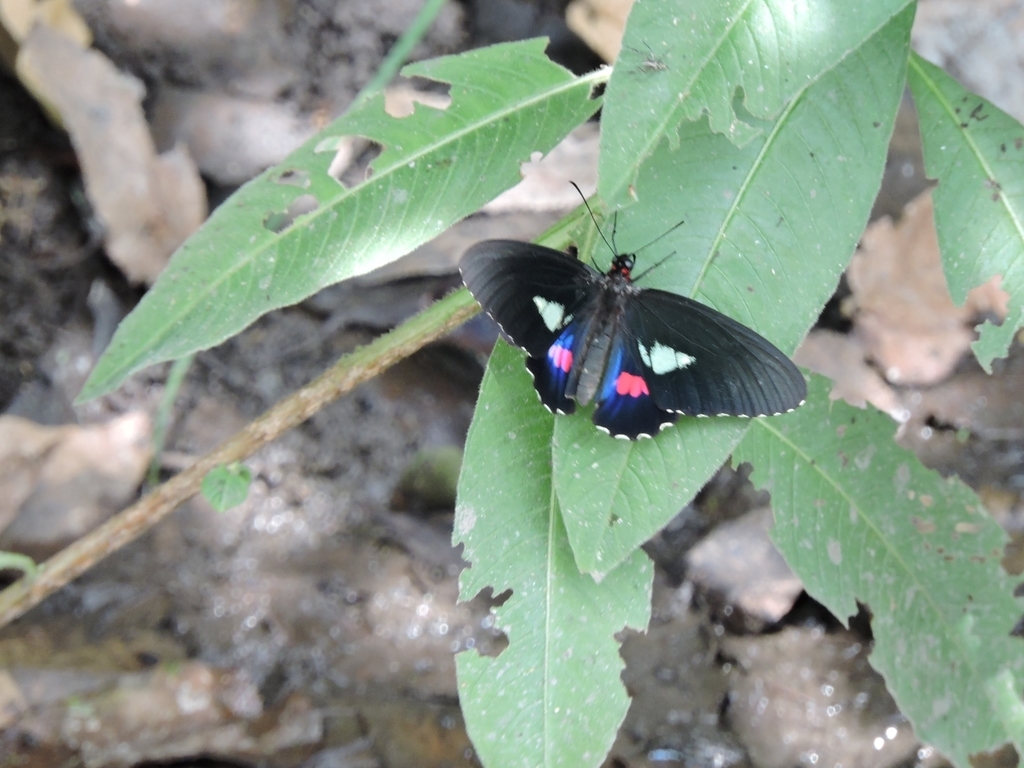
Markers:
{"x": 976, "y": 152}
{"x": 296, "y": 229}
{"x": 768, "y": 229}
{"x": 679, "y": 61}
{"x": 859, "y": 519}
{"x": 553, "y": 697}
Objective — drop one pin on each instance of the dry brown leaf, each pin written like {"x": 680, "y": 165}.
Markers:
{"x": 545, "y": 185}
{"x": 24, "y": 447}
{"x": 148, "y": 204}
{"x": 56, "y": 483}
{"x": 232, "y": 138}
{"x": 599, "y": 23}
{"x": 738, "y": 565}
{"x": 904, "y": 313}
{"x": 842, "y": 358}
{"x": 17, "y": 17}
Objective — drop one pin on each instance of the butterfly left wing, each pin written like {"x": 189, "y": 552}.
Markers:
{"x": 532, "y": 292}
{"x": 537, "y": 295}
{"x": 699, "y": 362}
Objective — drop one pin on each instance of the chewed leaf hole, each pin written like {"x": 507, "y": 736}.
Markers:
{"x": 294, "y": 177}
{"x": 357, "y": 167}
{"x": 487, "y": 638}
{"x": 279, "y": 221}
{"x": 348, "y": 151}
{"x": 400, "y": 99}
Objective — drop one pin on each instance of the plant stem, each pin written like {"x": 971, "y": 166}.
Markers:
{"x": 400, "y": 51}
{"x": 163, "y": 414}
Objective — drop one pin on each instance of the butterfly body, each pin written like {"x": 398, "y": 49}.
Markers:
{"x": 641, "y": 354}
{"x": 601, "y": 316}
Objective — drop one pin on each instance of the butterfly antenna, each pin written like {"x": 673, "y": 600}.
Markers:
{"x": 653, "y": 267}
{"x": 663, "y": 234}
{"x": 594, "y": 219}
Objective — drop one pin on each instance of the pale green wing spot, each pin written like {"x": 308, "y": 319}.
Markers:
{"x": 662, "y": 359}
{"x": 552, "y": 313}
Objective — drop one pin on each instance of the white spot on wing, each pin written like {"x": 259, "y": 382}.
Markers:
{"x": 551, "y": 312}
{"x": 662, "y": 359}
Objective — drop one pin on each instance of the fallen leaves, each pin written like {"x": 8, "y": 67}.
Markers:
{"x": 147, "y": 203}
{"x": 56, "y": 483}
{"x": 902, "y": 310}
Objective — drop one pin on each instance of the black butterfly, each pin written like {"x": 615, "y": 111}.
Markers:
{"x": 642, "y": 354}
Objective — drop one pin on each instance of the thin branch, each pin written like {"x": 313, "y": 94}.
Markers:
{"x": 349, "y": 372}
{"x": 400, "y": 51}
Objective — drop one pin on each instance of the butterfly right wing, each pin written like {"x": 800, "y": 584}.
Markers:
{"x": 700, "y": 362}
{"x": 625, "y": 407}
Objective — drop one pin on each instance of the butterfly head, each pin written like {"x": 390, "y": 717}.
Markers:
{"x": 622, "y": 265}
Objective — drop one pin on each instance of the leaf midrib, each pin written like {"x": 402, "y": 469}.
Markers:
{"x": 758, "y": 162}
{"x": 548, "y": 624}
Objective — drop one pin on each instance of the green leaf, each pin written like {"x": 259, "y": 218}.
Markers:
{"x": 676, "y": 65}
{"x": 436, "y": 167}
{"x": 859, "y": 519}
{"x": 226, "y": 486}
{"x": 768, "y": 230}
{"x": 1004, "y": 692}
{"x": 976, "y": 151}
{"x": 553, "y": 697}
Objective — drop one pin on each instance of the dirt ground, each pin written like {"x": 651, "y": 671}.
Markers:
{"x": 316, "y": 624}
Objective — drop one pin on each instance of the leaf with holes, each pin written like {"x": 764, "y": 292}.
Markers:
{"x": 553, "y": 696}
{"x": 859, "y": 519}
{"x": 740, "y": 62}
{"x": 296, "y": 229}
{"x": 976, "y": 151}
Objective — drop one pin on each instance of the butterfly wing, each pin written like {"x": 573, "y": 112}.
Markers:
{"x": 699, "y": 362}
{"x": 538, "y": 297}
{"x": 532, "y": 292}
{"x": 625, "y": 407}
{"x": 667, "y": 353}
{"x": 552, "y": 372}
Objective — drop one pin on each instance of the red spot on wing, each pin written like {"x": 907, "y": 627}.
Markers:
{"x": 561, "y": 357}
{"x": 628, "y": 384}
